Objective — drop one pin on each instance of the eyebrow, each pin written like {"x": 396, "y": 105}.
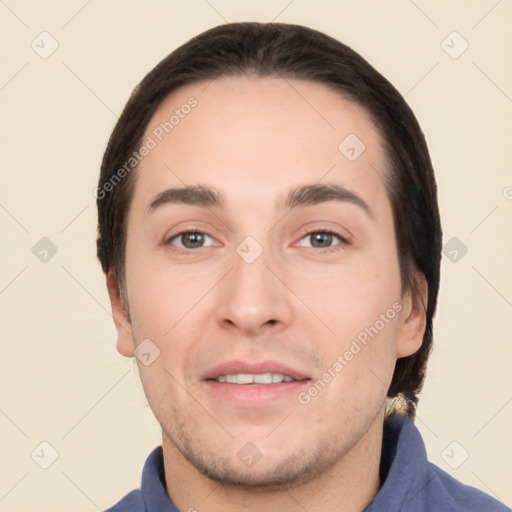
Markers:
{"x": 198, "y": 195}
{"x": 317, "y": 193}
{"x": 305, "y": 195}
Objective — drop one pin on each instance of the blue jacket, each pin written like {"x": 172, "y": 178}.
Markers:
{"x": 411, "y": 483}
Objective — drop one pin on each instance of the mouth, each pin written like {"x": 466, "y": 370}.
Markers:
{"x": 254, "y": 385}
{"x": 259, "y": 378}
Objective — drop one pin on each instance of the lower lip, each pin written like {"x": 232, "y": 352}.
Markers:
{"x": 256, "y": 395}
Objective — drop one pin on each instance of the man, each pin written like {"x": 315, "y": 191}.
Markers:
{"x": 269, "y": 228}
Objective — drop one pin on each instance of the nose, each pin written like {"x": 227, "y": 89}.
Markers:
{"x": 252, "y": 299}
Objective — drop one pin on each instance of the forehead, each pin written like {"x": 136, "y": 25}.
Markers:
{"x": 255, "y": 136}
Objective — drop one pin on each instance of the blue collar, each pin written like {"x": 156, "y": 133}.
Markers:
{"x": 410, "y": 482}
{"x": 403, "y": 460}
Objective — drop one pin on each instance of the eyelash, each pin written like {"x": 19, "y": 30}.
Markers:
{"x": 343, "y": 240}
{"x": 186, "y": 232}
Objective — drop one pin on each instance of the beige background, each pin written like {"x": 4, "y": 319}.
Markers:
{"x": 62, "y": 380}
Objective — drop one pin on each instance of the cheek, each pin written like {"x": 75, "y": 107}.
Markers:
{"x": 350, "y": 298}
{"x": 360, "y": 305}
{"x": 160, "y": 294}
{"x": 360, "y": 356}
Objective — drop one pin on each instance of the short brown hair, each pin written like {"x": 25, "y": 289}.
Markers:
{"x": 292, "y": 51}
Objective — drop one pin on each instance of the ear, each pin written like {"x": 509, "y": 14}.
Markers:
{"x": 413, "y": 319}
{"x": 125, "y": 342}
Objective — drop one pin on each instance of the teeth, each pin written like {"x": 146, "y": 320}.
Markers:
{"x": 262, "y": 378}
{"x": 244, "y": 378}
{"x": 249, "y": 378}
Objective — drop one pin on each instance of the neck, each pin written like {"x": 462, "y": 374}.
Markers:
{"x": 348, "y": 486}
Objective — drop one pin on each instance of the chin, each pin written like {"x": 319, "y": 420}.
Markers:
{"x": 287, "y": 474}
{"x": 252, "y": 469}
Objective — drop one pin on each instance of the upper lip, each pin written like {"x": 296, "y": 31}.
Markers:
{"x": 238, "y": 366}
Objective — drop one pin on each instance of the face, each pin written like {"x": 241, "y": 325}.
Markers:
{"x": 279, "y": 259}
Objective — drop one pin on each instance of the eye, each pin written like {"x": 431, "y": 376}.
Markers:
{"x": 190, "y": 240}
{"x": 323, "y": 239}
